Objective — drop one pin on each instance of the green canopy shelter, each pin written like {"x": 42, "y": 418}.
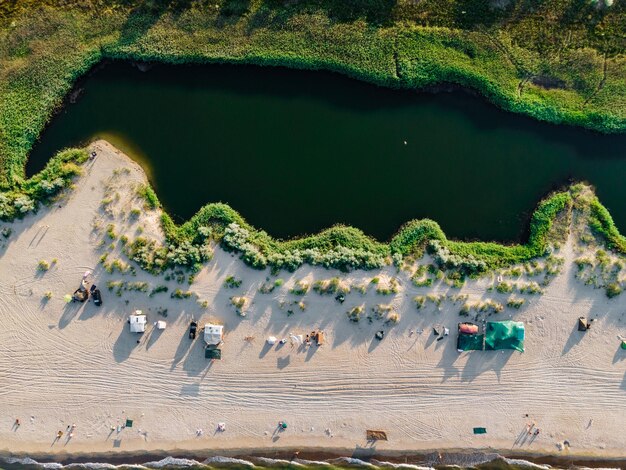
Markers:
{"x": 504, "y": 335}
{"x": 212, "y": 352}
{"x": 470, "y": 342}
{"x": 469, "y": 338}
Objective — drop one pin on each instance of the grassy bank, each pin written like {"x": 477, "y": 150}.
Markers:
{"x": 561, "y": 62}
{"x": 345, "y": 248}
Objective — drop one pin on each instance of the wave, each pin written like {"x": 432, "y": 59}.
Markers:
{"x": 428, "y": 462}
{"x": 520, "y": 463}
{"x": 173, "y": 462}
{"x": 226, "y": 461}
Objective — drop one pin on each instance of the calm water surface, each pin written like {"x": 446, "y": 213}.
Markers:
{"x": 295, "y": 152}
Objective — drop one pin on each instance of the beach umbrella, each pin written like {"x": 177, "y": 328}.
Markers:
{"x": 271, "y": 340}
{"x": 67, "y": 298}
{"x": 623, "y": 344}
{"x": 283, "y": 425}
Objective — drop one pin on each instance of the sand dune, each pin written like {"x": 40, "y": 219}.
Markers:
{"x": 78, "y": 364}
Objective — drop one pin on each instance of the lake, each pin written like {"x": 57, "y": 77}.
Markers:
{"x": 297, "y": 151}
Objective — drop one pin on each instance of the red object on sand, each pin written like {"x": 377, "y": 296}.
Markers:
{"x": 468, "y": 328}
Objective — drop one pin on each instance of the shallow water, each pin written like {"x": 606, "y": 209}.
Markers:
{"x": 447, "y": 462}
{"x": 295, "y": 152}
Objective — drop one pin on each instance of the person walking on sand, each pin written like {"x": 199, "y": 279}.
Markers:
{"x": 17, "y": 422}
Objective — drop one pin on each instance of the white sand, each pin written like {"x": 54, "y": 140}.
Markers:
{"x": 79, "y": 364}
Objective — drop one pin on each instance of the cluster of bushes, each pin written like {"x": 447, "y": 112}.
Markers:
{"x": 242, "y": 240}
{"x": 157, "y": 258}
{"x": 41, "y": 188}
{"x": 601, "y": 223}
{"x": 466, "y": 264}
{"x": 347, "y": 248}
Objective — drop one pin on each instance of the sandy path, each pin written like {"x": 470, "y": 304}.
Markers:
{"x": 79, "y": 364}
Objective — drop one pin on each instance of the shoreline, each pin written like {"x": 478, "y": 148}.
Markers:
{"x": 433, "y": 457}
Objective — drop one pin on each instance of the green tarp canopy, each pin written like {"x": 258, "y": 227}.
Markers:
{"x": 467, "y": 342}
{"x": 212, "y": 353}
{"x": 504, "y": 335}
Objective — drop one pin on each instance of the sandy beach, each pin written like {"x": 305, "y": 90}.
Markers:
{"x": 63, "y": 364}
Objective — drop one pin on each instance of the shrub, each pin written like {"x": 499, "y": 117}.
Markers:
{"x": 158, "y": 289}
{"x": 145, "y": 192}
{"x": 239, "y": 303}
{"x": 43, "y": 266}
{"x": 530, "y": 288}
{"x": 515, "y": 303}
{"x": 422, "y": 282}
{"x": 330, "y": 286}
{"x": 504, "y": 287}
{"x": 354, "y": 314}
{"x": 391, "y": 287}
{"x": 300, "y": 287}
{"x": 231, "y": 282}
{"x": 613, "y": 290}
{"x": 468, "y": 265}
{"x": 181, "y": 294}
{"x": 111, "y": 231}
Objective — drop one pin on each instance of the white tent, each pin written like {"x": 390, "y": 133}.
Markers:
{"x": 271, "y": 340}
{"x": 161, "y": 325}
{"x": 137, "y": 322}
{"x": 213, "y": 334}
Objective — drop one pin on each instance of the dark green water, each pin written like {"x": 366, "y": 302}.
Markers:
{"x": 295, "y": 152}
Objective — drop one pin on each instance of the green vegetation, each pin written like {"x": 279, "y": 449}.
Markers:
{"x": 43, "y": 266}
{"x": 355, "y": 313}
{"x": 603, "y": 272}
{"x": 25, "y": 196}
{"x": 601, "y": 222}
{"x": 232, "y": 282}
{"x": 515, "y": 303}
{"x": 269, "y": 286}
{"x": 239, "y": 303}
{"x": 330, "y": 286}
{"x": 613, "y": 289}
{"x": 158, "y": 289}
{"x": 150, "y": 198}
{"x": 181, "y": 294}
{"x": 487, "y": 306}
{"x": 122, "y": 286}
{"x": 388, "y": 288}
{"x": 300, "y": 287}
{"x": 385, "y": 312}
